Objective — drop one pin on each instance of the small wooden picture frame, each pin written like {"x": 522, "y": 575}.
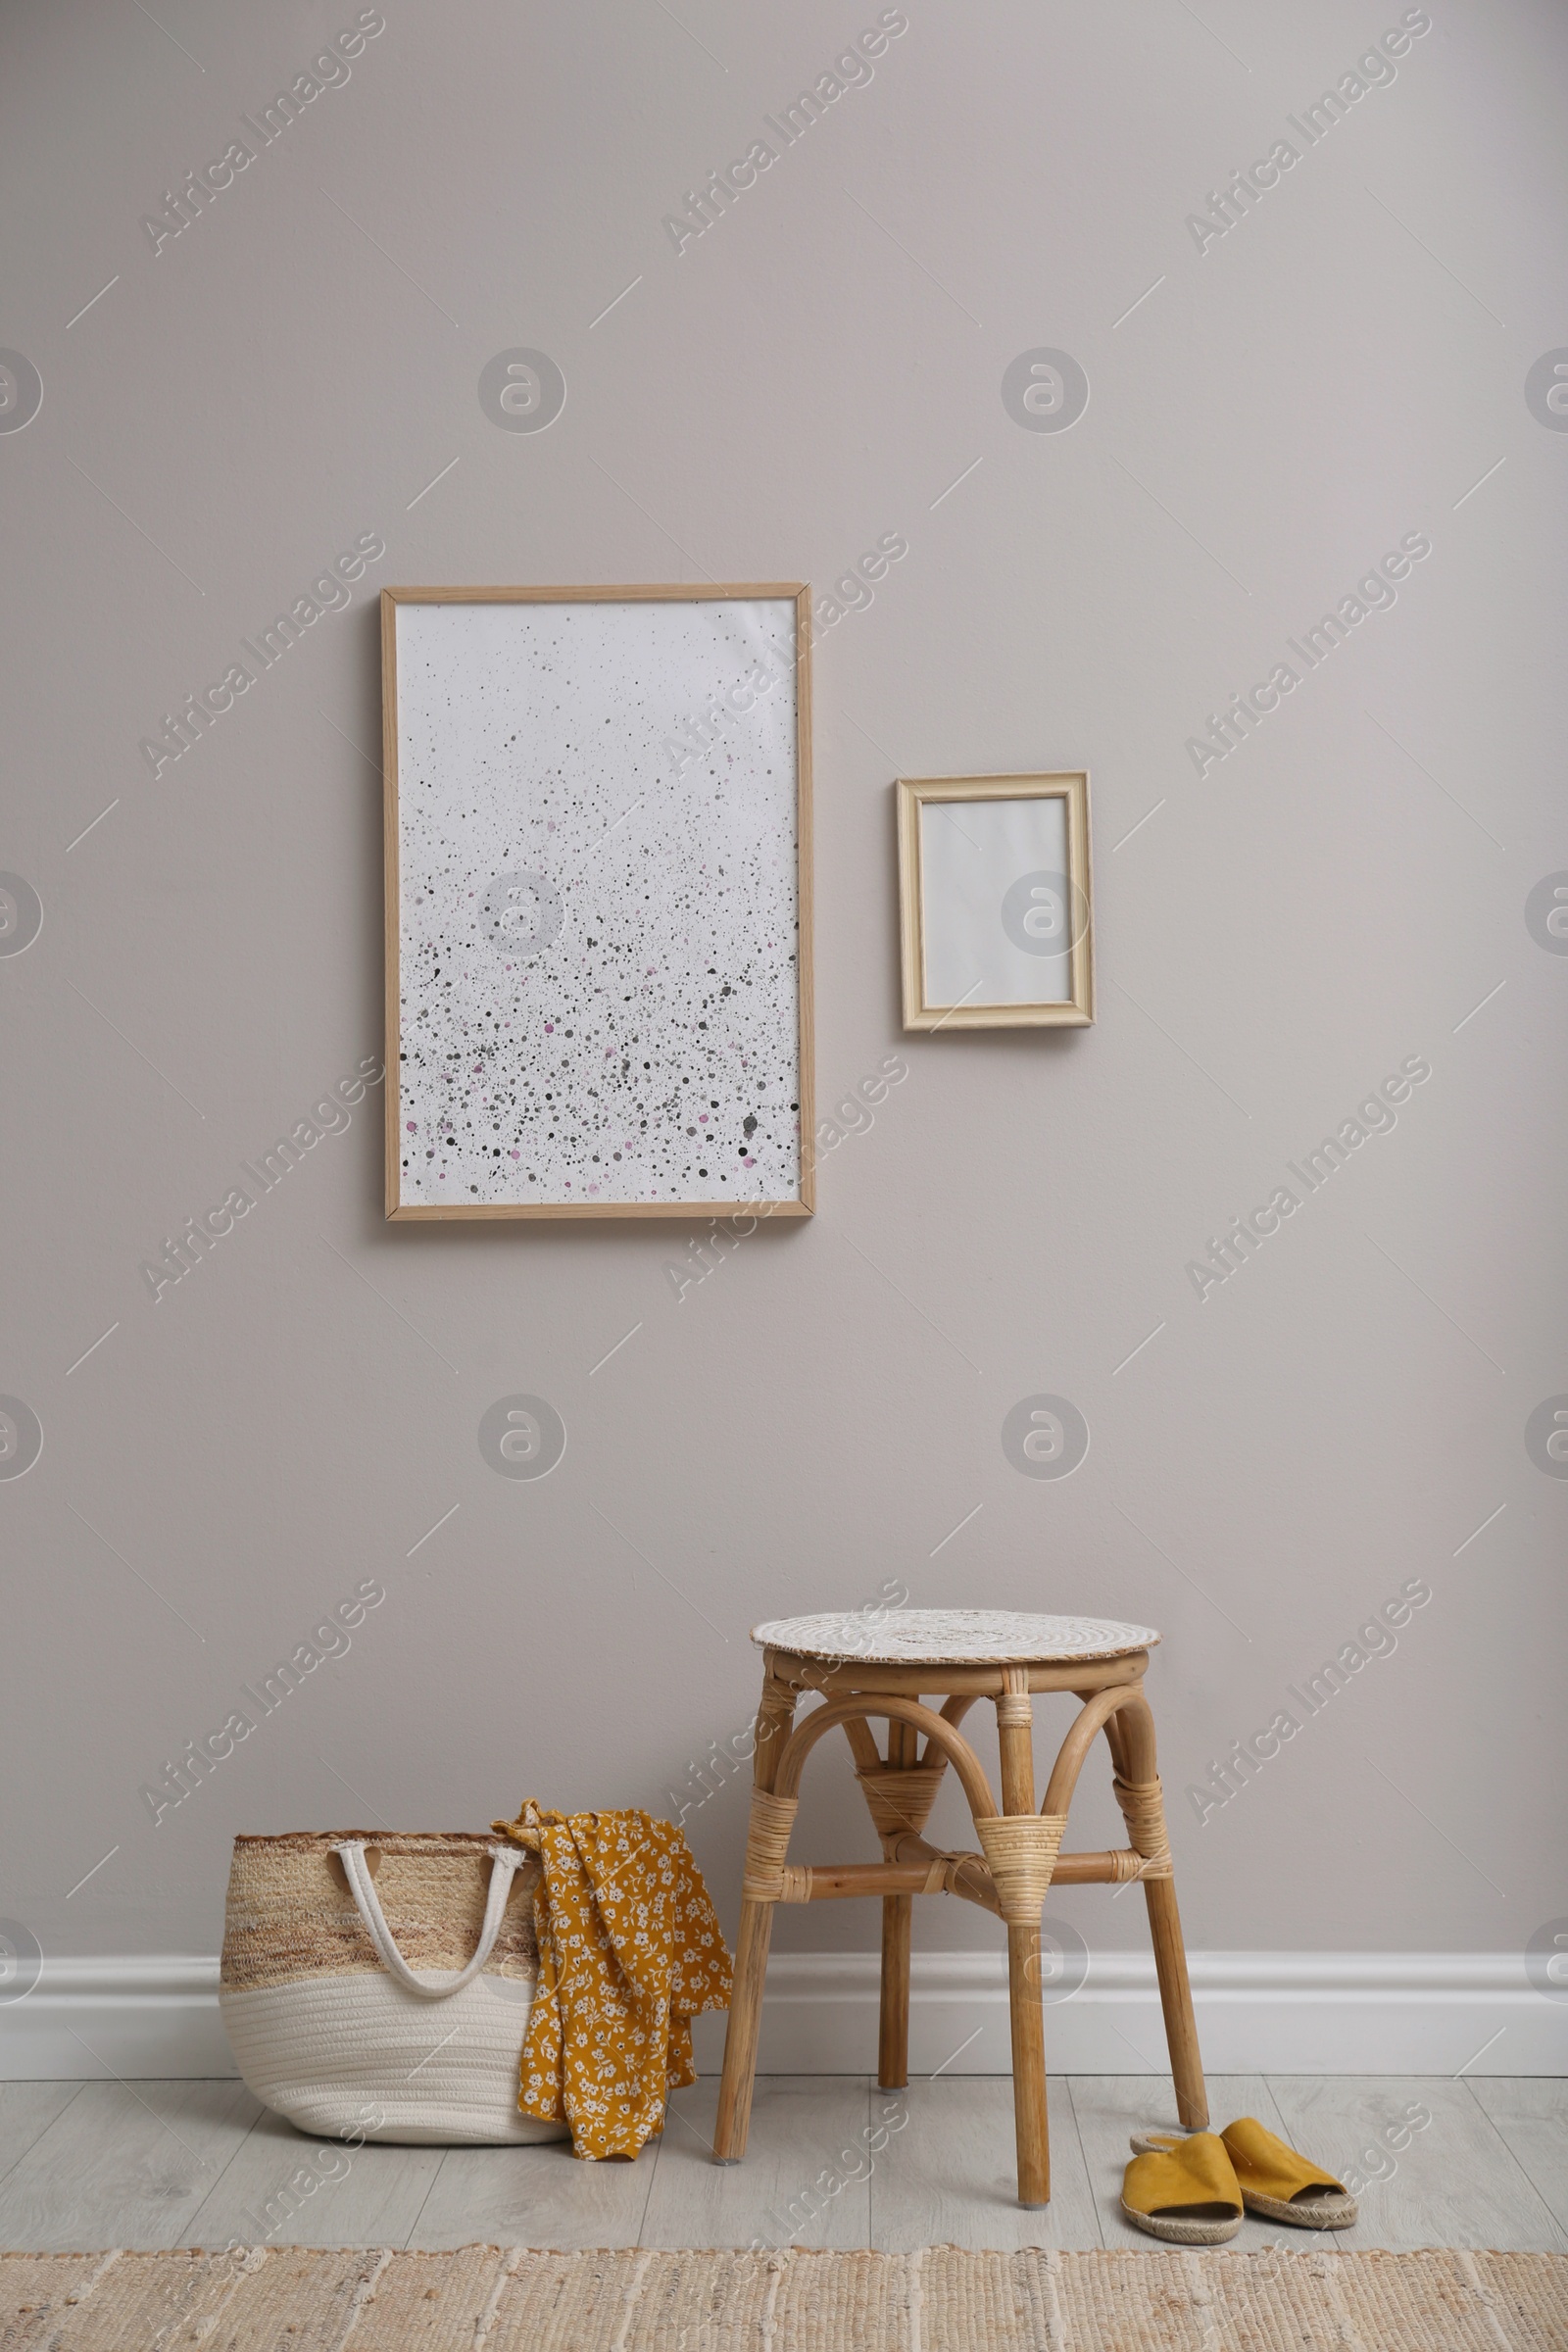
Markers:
{"x": 994, "y": 894}
{"x": 598, "y": 828}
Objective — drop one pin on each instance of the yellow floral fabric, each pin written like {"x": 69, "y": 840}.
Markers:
{"x": 629, "y": 1952}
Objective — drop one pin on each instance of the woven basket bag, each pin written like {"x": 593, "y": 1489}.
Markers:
{"x": 389, "y": 1976}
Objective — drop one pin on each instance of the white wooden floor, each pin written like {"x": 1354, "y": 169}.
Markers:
{"x": 90, "y": 2165}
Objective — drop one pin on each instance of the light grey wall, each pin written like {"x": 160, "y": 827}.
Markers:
{"x": 1275, "y": 935}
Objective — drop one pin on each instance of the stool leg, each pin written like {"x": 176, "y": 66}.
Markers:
{"x": 1025, "y": 2004}
{"x": 741, "y": 2034}
{"x": 893, "y": 2036}
{"x": 1176, "y": 2000}
{"x": 774, "y": 1719}
{"x": 898, "y": 1915}
{"x": 1133, "y": 1747}
{"x": 1028, "y": 2018}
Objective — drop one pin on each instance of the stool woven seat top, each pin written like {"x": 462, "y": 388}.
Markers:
{"x": 951, "y": 1637}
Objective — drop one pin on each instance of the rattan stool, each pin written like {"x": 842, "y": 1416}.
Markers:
{"x": 865, "y": 1667}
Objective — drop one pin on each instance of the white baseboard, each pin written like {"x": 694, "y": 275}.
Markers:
{"x": 1282, "y": 2013}
{"x": 1296, "y": 2013}
{"x": 149, "y": 2015}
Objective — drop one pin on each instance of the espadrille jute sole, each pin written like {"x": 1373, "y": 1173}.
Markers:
{"x": 1180, "y": 2231}
{"x": 1334, "y": 2210}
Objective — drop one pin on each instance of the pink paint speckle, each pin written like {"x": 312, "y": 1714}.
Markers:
{"x": 749, "y": 1161}
{"x": 516, "y": 1156}
{"x": 413, "y": 1126}
{"x": 550, "y": 1028}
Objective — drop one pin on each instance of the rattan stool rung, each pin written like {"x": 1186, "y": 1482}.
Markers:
{"x": 869, "y": 1665}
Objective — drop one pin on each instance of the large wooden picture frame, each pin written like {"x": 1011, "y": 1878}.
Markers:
{"x": 994, "y": 891}
{"x": 598, "y": 902}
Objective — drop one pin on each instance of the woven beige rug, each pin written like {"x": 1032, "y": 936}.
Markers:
{"x": 485, "y": 2299}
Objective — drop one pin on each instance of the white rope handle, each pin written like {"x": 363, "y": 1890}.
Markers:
{"x": 368, "y": 1903}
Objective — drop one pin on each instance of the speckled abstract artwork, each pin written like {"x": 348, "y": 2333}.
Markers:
{"x": 597, "y": 903}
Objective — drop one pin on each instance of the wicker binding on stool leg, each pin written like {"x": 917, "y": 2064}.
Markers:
{"x": 1143, "y": 1807}
{"x": 900, "y": 1799}
{"x": 1020, "y": 1850}
{"x": 766, "y": 1843}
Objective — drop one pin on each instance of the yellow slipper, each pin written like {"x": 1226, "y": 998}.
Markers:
{"x": 1182, "y": 2190}
{"x": 1273, "y": 2180}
